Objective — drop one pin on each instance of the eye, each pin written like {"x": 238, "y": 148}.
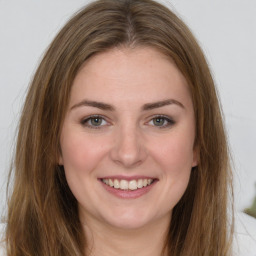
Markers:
{"x": 94, "y": 122}
{"x": 161, "y": 121}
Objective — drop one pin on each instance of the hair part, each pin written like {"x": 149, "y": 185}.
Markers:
{"x": 43, "y": 213}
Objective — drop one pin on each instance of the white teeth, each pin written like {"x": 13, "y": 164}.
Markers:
{"x": 116, "y": 184}
{"x": 140, "y": 183}
{"x": 125, "y": 185}
{"x": 133, "y": 185}
{"x": 111, "y": 183}
{"x": 106, "y": 181}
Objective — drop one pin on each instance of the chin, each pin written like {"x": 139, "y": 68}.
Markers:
{"x": 129, "y": 219}
{"x": 128, "y": 223}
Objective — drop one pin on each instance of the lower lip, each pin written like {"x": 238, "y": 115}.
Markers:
{"x": 128, "y": 194}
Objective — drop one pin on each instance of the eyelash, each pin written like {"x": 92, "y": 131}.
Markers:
{"x": 168, "y": 120}
{"x": 85, "y": 122}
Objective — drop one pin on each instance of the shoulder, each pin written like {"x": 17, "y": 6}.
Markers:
{"x": 2, "y": 243}
{"x": 245, "y": 235}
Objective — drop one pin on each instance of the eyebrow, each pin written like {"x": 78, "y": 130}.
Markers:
{"x": 95, "y": 104}
{"x": 145, "y": 107}
{"x": 162, "y": 103}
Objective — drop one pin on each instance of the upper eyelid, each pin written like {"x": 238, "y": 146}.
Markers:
{"x": 161, "y": 116}
{"x": 170, "y": 120}
{"x": 85, "y": 122}
{"x": 85, "y": 119}
{"x": 107, "y": 119}
{"x": 95, "y": 116}
{"x": 167, "y": 117}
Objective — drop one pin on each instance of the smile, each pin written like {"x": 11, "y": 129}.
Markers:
{"x": 127, "y": 185}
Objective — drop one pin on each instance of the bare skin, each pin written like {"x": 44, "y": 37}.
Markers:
{"x": 130, "y": 121}
{"x": 105, "y": 240}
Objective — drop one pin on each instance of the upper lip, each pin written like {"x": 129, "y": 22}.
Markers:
{"x": 128, "y": 178}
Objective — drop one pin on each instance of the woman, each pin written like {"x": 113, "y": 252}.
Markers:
{"x": 121, "y": 146}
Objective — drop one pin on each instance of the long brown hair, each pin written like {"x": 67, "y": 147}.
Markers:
{"x": 42, "y": 214}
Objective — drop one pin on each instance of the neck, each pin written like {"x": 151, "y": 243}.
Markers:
{"x": 105, "y": 240}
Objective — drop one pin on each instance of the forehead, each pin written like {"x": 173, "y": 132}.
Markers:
{"x": 116, "y": 62}
{"x": 130, "y": 74}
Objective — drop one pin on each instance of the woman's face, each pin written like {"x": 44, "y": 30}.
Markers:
{"x": 127, "y": 140}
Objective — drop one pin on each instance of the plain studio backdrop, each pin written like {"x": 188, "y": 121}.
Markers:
{"x": 225, "y": 29}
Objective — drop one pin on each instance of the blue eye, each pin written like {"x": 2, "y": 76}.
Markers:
{"x": 161, "y": 121}
{"x": 94, "y": 122}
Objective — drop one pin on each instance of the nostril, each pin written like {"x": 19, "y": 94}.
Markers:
{"x": 128, "y": 149}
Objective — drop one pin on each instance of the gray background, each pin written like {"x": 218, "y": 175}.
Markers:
{"x": 226, "y": 30}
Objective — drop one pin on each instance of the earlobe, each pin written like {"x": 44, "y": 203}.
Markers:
{"x": 60, "y": 160}
{"x": 195, "y": 157}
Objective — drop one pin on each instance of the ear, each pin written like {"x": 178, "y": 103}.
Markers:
{"x": 195, "y": 156}
{"x": 60, "y": 160}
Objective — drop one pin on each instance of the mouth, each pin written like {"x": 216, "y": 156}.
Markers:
{"x": 128, "y": 185}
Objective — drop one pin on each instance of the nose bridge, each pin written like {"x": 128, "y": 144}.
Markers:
{"x": 128, "y": 148}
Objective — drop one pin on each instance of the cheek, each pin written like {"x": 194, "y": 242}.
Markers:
{"x": 80, "y": 153}
{"x": 175, "y": 157}
{"x": 176, "y": 153}
{"x": 80, "y": 157}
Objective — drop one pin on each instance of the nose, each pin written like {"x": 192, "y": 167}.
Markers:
{"x": 128, "y": 148}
